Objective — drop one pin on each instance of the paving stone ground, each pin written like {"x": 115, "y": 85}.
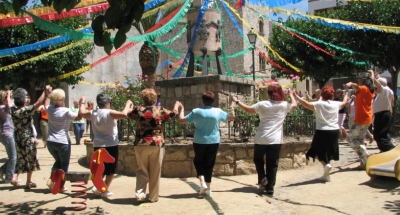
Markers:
{"x": 297, "y": 192}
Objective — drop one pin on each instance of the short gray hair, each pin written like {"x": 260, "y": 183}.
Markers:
{"x": 382, "y": 81}
{"x": 102, "y": 99}
{"x": 20, "y": 97}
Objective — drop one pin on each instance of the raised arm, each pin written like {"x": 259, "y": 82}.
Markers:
{"x": 293, "y": 100}
{"x": 124, "y": 113}
{"x": 243, "y": 106}
{"x": 8, "y": 98}
{"x": 182, "y": 119}
{"x": 82, "y": 109}
{"x": 377, "y": 84}
{"x": 308, "y": 97}
{"x": 46, "y": 92}
{"x": 352, "y": 85}
{"x": 346, "y": 97}
{"x": 305, "y": 103}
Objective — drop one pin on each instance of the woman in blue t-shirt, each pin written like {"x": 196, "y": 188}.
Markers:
{"x": 206, "y": 138}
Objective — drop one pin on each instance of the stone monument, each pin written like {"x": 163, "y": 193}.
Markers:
{"x": 208, "y": 38}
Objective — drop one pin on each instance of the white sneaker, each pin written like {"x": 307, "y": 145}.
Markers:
{"x": 50, "y": 184}
{"x": 365, "y": 158}
{"x": 325, "y": 179}
{"x": 203, "y": 189}
{"x": 95, "y": 191}
{"x": 107, "y": 194}
{"x": 208, "y": 192}
{"x": 327, "y": 169}
{"x": 140, "y": 196}
{"x": 263, "y": 183}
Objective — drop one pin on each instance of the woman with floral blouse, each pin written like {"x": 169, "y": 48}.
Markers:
{"x": 149, "y": 143}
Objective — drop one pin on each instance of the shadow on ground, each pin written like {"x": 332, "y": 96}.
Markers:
{"x": 386, "y": 184}
{"x": 83, "y": 162}
{"x": 310, "y": 205}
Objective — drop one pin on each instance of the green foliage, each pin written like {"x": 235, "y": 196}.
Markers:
{"x": 244, "y": 123}
{"x": 377, "y": 12}
{"x": 384, "y": 46}
{"x": 120, "y": 15}
{"x": 313, "y": 63}
{"x": 120, "y": 93}
{"x": 36, "y": 73}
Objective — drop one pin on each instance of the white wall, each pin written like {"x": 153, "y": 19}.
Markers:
{"x": 114, "y": 69}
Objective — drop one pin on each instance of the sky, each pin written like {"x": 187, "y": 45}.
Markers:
{"x": 301, "y": 6}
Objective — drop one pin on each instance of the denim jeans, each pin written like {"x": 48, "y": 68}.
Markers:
{"x": 9, "y": 166}
{"x": 61, "y": 153}
{"x": 79, "y": 128}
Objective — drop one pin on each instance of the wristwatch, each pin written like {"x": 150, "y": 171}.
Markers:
{"x": 237, "y": 102}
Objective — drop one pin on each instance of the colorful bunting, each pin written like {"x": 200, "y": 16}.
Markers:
{"x": 39, "y": 45}
{"x": 261, "y": 38}
{"x": 193, "y": 39}
{"x": 20, "y": 63}
{"x": 274, "y": 63}
{"x": 44, "y": 10}
{"x": 337, "y": 23}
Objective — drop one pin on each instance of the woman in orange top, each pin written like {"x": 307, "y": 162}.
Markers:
{"x": 363, "y": 116}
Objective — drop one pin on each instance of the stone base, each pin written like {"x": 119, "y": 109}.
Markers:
{"x": 232, "y": 159}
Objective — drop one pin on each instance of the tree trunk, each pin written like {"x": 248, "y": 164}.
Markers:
{"x": 32, "y": 92}
{"x": 148, "y": 59}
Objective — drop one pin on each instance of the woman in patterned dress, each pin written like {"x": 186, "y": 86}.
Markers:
{"x": 149, "y": 143}
{"x": 21, "y": 114}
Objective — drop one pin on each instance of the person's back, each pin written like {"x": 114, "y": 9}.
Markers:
{"x": 59, "y": 119}
{"x": 326, "y": 114}
{"x": 363, "y": 106}
{"x": 206, "y": 121}
{"x": 7, "y": 126}
{"x": 272, "y": 115}
{"x": 104, "y": 128}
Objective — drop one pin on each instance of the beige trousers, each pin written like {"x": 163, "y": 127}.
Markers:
{"x": 149, "y": 161}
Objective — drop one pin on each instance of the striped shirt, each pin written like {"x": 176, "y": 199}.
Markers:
{"x": 383, "y": 100}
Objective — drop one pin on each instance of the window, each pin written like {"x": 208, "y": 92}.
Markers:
{"x": 261, "y": 26}
{"x": 262, "y": 62}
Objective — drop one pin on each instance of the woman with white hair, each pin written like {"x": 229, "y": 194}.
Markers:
{"x": 382, "y": 108}
{"x": 58, "y": 140}
{"x": 21, "y": 115}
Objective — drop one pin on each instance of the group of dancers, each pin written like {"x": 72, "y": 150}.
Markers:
{"x": 149, "y": 143}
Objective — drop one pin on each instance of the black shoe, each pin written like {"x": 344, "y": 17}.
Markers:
{"x": 270, "y": 192}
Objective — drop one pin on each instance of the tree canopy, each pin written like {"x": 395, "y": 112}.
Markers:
{"x": 382, "y": 48}
{"x": 36, "y": 73}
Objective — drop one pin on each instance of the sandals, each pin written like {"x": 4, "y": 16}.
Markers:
{"x": 30, "y": 185}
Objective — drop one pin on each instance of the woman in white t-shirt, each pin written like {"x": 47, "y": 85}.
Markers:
{"x": 58, "y": 139}
{"x": 325, "y": 145}
{"x": 269, "y": 136}
{"x": 104, "y": 126}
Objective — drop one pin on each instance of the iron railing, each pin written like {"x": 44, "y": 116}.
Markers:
{"x": 238, "y": 131}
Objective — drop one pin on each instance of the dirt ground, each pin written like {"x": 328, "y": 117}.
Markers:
{"x": 296, "y": 192}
